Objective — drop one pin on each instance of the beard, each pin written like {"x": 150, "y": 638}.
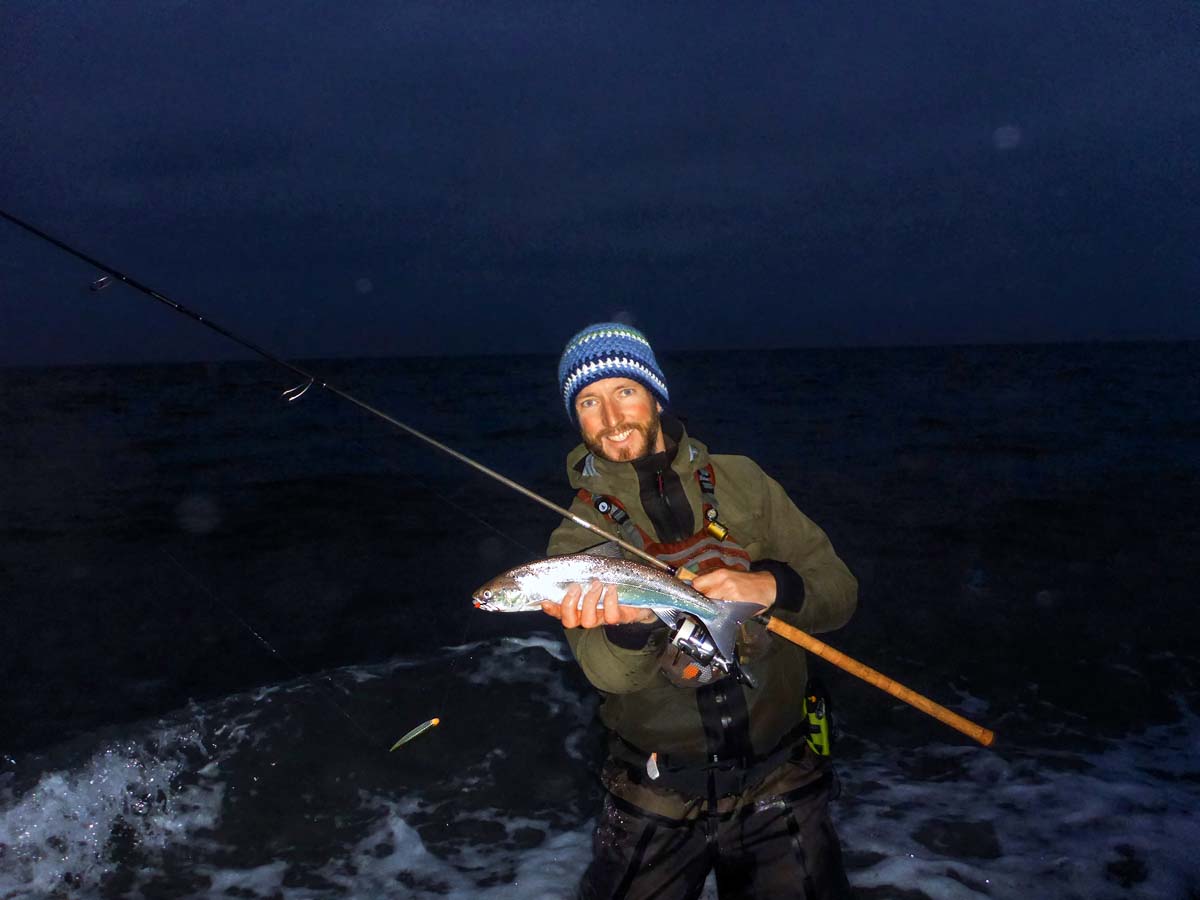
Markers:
{"x": 648, "y": 430}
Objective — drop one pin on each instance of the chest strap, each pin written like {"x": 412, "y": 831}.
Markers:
{"x": 611, "y": 509}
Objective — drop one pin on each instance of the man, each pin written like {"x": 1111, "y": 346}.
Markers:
{"x": 705, "y": 769}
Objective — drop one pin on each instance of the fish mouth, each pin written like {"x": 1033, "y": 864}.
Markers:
{"x": 488, "y": 598}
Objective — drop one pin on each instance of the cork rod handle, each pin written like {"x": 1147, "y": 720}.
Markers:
{"x": 881, "y": 681}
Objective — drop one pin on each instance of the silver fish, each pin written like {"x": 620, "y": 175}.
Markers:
{"x": 524, "y": 588}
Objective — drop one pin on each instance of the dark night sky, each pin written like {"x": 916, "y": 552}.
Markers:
{"x": 391, "y": 178}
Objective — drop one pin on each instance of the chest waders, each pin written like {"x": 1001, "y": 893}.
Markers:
{"x": 731, "y": 764}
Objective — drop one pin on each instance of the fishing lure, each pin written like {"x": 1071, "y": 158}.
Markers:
{"x": 416, "y": 732}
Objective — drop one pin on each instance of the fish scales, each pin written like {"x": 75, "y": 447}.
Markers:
{"x": 524, "y": 587}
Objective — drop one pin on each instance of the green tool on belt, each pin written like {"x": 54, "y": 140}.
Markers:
{"x": 819, "y": 712}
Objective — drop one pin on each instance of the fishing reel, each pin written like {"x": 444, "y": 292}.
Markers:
{"x": 690, "y": 637}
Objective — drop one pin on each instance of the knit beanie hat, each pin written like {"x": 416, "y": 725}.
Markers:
{"x": 608, "y": 350}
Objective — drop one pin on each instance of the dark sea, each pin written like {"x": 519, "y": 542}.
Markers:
{"x": 220, "y": 610}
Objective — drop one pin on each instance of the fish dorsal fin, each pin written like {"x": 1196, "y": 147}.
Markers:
{"x": 607, "y": 550}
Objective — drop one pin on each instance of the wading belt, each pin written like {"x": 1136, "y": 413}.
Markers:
{"x": 694, "y": 778}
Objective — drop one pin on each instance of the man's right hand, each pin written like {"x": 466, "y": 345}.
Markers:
{"x": 576, "y": 614}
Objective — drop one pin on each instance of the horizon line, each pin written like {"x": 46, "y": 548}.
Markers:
{"x": 249, "y": 357}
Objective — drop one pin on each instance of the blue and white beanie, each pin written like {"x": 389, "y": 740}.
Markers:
{"x": 608, "y": 350}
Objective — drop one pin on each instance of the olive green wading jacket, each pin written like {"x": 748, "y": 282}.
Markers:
{"x": 639, "y": 703}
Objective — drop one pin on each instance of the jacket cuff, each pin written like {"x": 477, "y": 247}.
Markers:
{"x": 634, "y": 636}
{"x": 789, "y": 586}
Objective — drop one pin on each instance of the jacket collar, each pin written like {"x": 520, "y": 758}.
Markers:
{"x": 586, "y": 470}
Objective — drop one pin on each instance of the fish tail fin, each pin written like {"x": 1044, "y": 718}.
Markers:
{"x": 724, "y": 628}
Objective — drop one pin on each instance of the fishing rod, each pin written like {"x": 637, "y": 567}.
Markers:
{"x": 295, "y": 393}
{"x": 795, "y": 635}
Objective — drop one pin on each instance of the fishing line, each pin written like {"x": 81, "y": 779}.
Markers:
{"x": 453, "y": 666}
{"x": 449, "y": 680}
{"x": 469, "y": 620}
{"x": 321, "y": 690}
{"x": 295, "y": 393}
{"x": 469, "y": 513}
{"x": 328, "y": 695}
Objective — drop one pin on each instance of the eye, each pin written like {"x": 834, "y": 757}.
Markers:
{"x": 584, "y": 404}
{"x": 626, "y": 392}
{"x": 487, "y": 595}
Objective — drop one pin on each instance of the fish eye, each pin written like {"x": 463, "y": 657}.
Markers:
{"x": 487, "y": 595}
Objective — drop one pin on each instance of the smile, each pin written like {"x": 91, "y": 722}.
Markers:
{"x": 620, "y": 436}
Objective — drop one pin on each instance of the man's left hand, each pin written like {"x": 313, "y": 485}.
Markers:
{"x": 730, "y": 584}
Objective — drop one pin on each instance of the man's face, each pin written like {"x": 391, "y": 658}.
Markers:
{"x": 618, "y": 418}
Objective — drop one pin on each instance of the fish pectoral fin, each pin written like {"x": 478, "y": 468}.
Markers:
{"x": 668, "y": 615}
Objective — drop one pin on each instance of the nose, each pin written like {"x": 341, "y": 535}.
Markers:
{"x": 607, "y": 417}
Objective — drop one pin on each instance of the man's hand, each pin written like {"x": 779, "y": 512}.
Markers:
{"x": 730, "y": 584}
{"x": 575, "y": 614}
